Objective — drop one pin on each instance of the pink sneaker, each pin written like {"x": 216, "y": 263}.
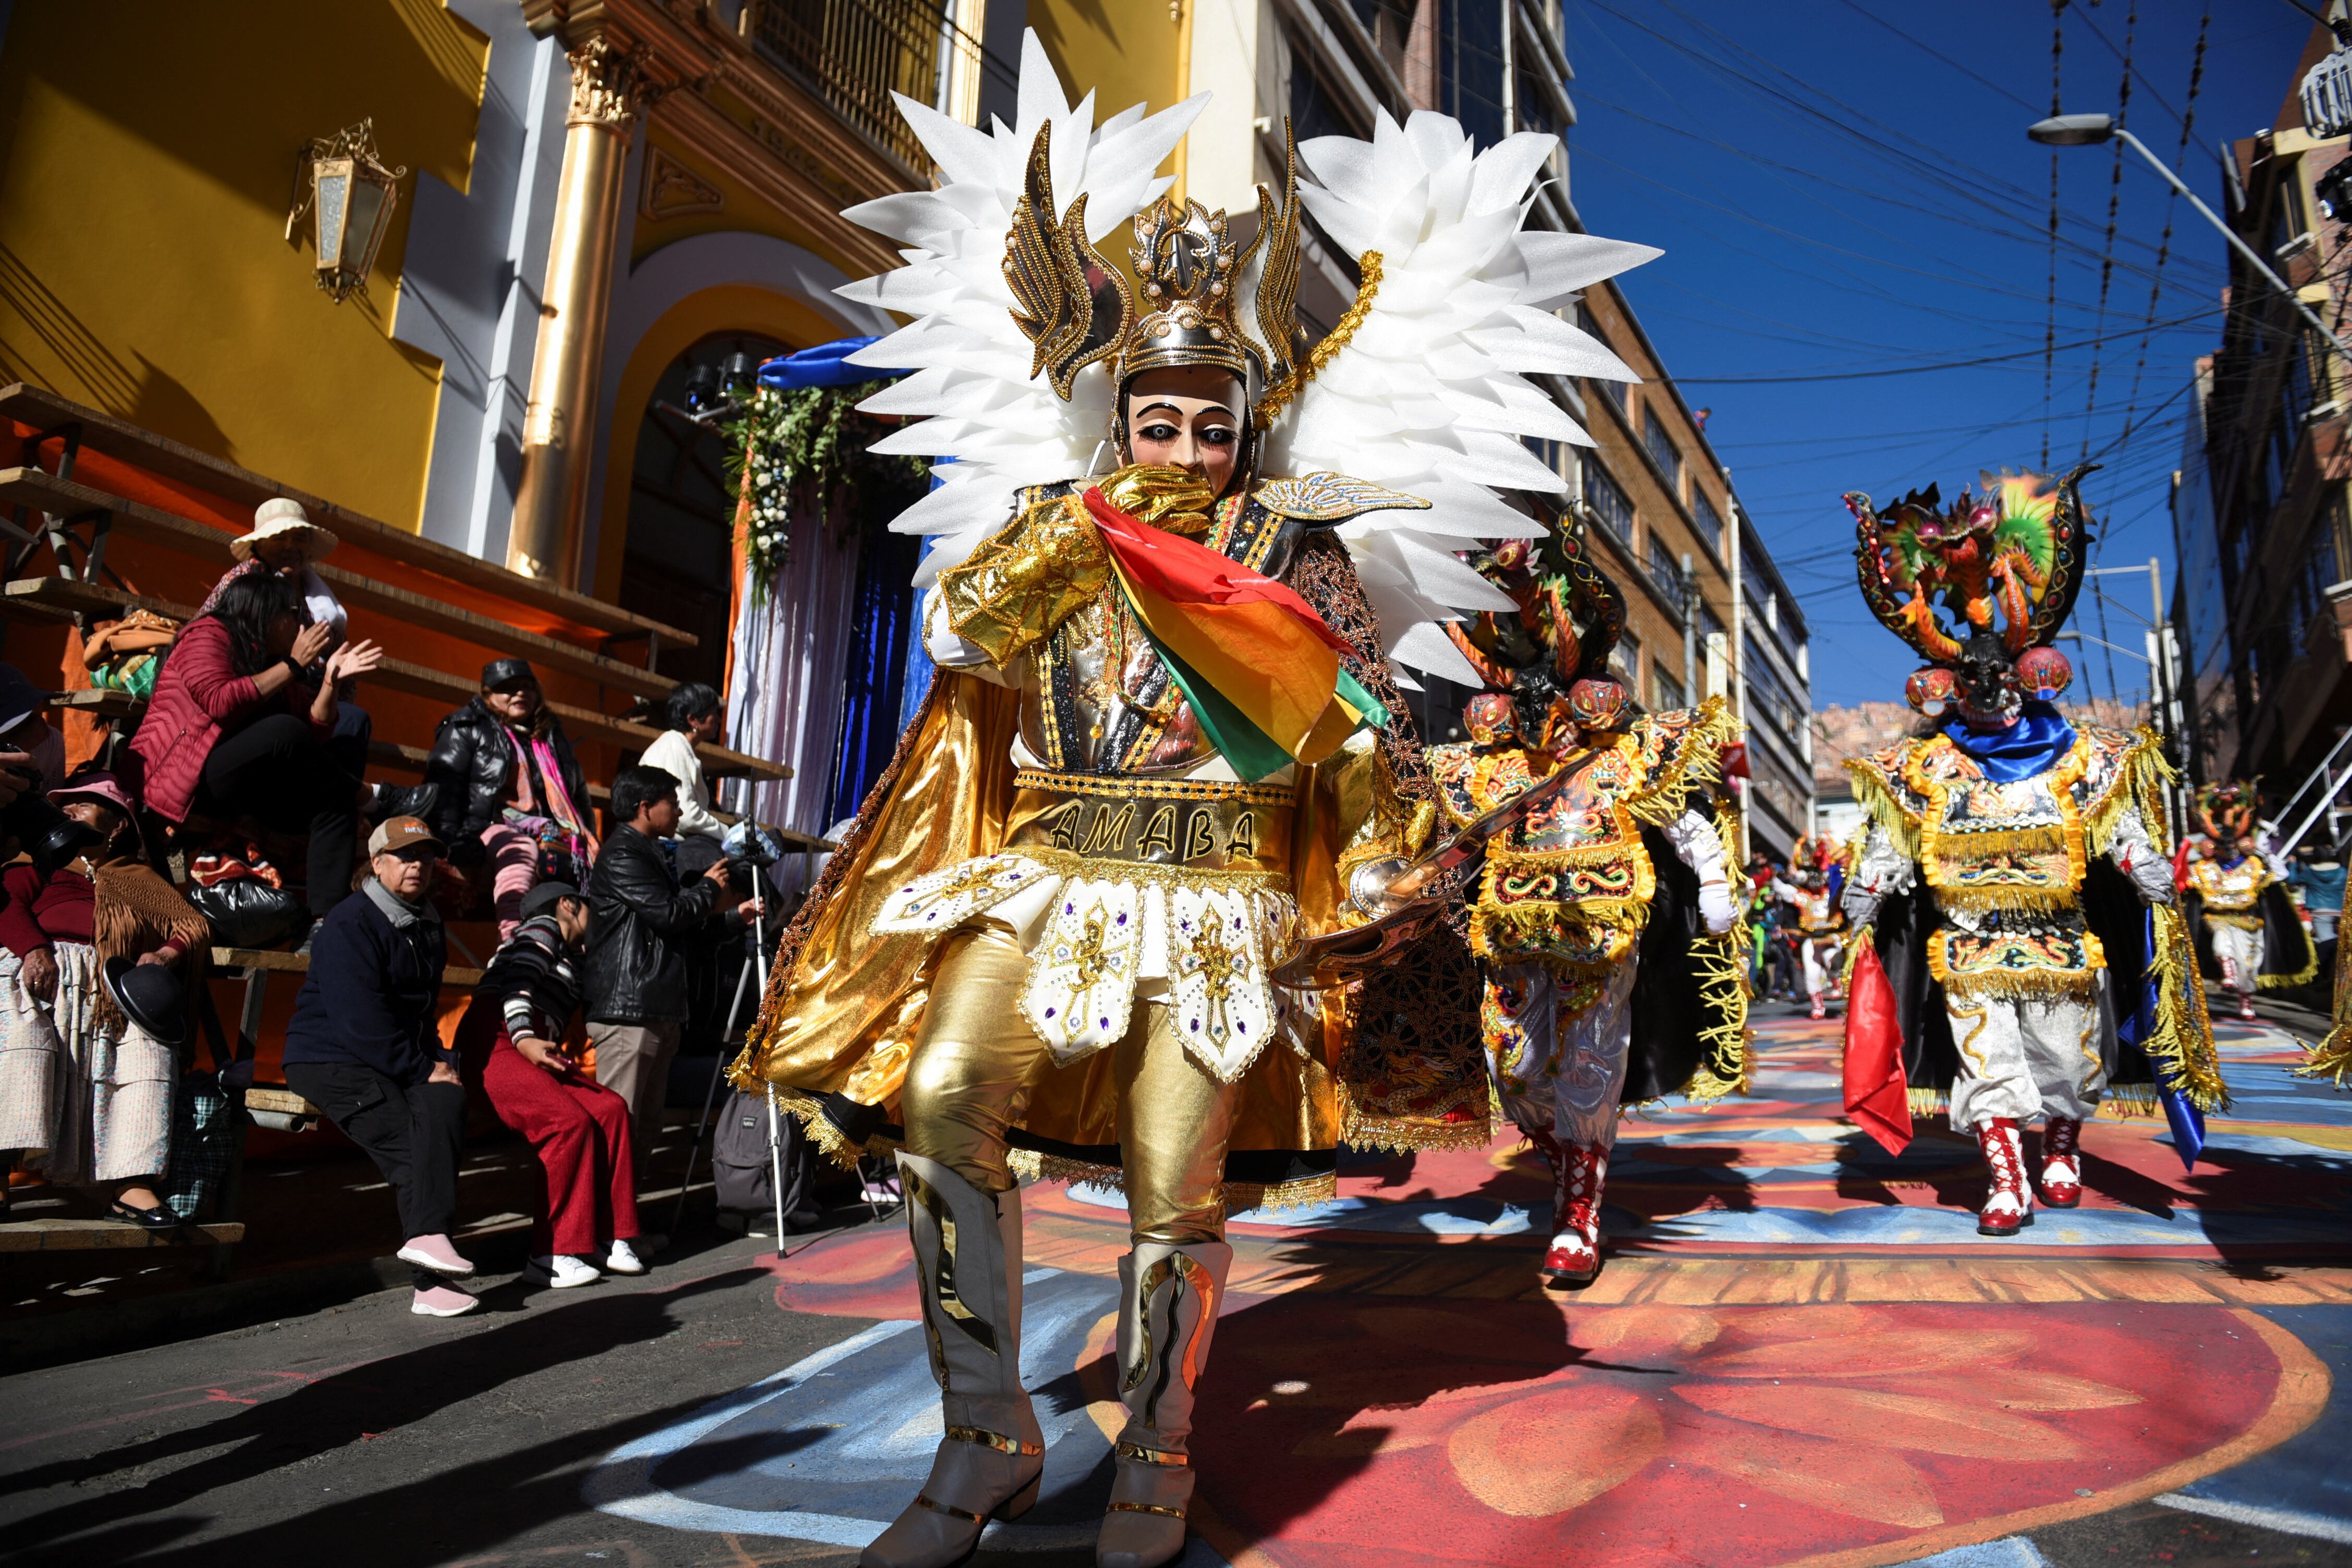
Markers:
{"x": 433, "y": 1252}
{"x": 442, "y": 1301}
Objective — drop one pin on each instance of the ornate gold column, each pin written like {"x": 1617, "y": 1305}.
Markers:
{"x": 559, "y": 428}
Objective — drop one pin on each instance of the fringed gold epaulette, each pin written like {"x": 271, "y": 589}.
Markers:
{"x": 1879, "y": 790}
{"x": 2331, "y": 1057}
{"x": 2182, "y": 1045}
{"x": 2127, "y": 771}
{"x": 1680, "y": 752}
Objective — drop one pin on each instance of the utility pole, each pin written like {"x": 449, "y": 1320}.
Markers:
{"x": 1691, "y": 603}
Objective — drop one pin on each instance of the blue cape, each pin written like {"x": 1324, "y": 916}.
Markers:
{"x": 2033, "y": 744}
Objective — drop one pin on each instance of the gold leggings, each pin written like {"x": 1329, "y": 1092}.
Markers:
{"x": 977, "y": 1060}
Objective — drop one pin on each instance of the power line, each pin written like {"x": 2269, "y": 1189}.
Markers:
{"x": 2115, "y": 207}
{"x": 2049, "y": 328}
{"x": 1917, "y": 369}
{"x": 2171, "y": 203}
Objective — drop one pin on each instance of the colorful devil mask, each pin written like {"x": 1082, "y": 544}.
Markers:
{"x": 1978, "y": 585}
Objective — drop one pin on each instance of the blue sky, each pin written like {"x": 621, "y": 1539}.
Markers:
{"x": 1845, "y": 186}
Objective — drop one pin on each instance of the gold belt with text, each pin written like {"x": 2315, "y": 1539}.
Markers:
{"x": 1216, "y": 829}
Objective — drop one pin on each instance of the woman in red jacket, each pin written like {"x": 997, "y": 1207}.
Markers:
{"x": 235, "y": 728}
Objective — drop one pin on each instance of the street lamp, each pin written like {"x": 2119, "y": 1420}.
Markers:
{"x": 349, "y": 194}
{"x": 2088, "y": 130}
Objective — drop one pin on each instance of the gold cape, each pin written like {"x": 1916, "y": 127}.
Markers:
{"x": 1399, "y": 1065}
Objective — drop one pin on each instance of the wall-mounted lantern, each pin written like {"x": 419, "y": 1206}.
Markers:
{"x": 349, "y": 194}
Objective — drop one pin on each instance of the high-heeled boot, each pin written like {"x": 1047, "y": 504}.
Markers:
{"x": 2062, "y": 1162}
{"x": 968, "y": 1268}
{"x": 2009, "y": 1208}
{"x": 1579, "y": 1172}
{"x": 1167, "y": 1300}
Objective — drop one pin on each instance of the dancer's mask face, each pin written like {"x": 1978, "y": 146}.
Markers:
{"x": 1187, "y": 416}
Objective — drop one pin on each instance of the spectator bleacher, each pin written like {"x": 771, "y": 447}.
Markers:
{"x": 108, "y": 517}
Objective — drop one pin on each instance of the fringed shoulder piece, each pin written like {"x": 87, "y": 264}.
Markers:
{"x": 2127, "y": 771}
{"x": 1681, "y": 751}
{"x": 1882, "y": 790}
{"x": 2332, "y": 1056}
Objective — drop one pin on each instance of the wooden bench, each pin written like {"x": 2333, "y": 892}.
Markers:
{"x": 130, "y": 520}
{"x": 74, "y": 426}
{"x": 100, "y": 1234}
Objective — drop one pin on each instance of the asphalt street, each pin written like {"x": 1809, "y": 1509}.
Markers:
{"x": 366, "y": 1436}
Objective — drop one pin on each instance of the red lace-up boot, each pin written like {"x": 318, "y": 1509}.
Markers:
{"x": 1578, "y": 1172}
{"x": 2010, "y": 1208}
{"x": 2062, "y": 1162}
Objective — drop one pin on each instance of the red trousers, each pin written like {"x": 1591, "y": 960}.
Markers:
{"x": 581, "y": 1132}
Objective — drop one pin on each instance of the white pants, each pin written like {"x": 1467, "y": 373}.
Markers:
{"x": 1564, "y": 1076}
{"x": 2020, "y": 1059}
{"x": 2239, "y": 952}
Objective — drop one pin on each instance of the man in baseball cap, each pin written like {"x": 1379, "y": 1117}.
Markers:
{"x": 365, "y": 1047}
{"x": 395, "y": 833}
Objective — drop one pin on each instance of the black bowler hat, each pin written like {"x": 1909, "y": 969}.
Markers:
{"x": 544, "y": 896}
{"x": 506, "y": 672}
{"x": 150, "y": 996}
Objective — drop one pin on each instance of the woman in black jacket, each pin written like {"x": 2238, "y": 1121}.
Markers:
{"x": 512, "y": 793}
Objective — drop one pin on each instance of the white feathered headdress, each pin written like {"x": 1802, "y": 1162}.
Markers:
{"x": 1423, "y": 390}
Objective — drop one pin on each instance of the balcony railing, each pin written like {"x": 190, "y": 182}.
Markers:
{"x": 854, "y": 54}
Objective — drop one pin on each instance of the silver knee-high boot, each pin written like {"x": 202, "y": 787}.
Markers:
{"x": 968, "y": 1264}
{"x": 1167, "y": 1305}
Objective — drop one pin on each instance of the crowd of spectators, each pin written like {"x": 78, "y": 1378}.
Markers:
{"x": 251, "y": 730}
{"x": 1796, "y": 931}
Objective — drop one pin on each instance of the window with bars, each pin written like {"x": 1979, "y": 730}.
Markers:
{"x": 1662, "y": 447}
{"x": 1709, "y": 521}
{"x": 1769, "y": 695}
{"x": 2307, "y": 594}
{"x": 1667, "y": 693}
{"x": 1589, "y": 325}
{"x": 854, "y": 54}
{"x": 1666, "y": 571}
{"x": 1607, "y": 502}
{"x": 1470, "y": 66}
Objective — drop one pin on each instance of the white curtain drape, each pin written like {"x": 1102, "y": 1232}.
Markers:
{"x": 792, "y": 655}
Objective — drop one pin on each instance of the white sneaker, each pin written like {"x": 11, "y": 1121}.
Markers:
{"x": 623, "y": 1259}
{"x": 561, "y": 1272}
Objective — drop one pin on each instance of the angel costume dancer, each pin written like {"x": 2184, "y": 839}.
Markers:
{"x": 1602, "y": 919}
{"x": 1163, "y": 744}
{"x": 2026, "y": 957}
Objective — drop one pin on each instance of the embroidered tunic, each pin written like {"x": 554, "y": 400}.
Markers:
{"x": 1137, "y": 865}
{"x": 1570, "y": 888}
{"x": 2233, "y": 894}
{"x": 2005, "y": 860}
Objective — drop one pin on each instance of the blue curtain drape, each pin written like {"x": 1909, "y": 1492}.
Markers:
{"x": 880, "y": 636}
{"x": 918, "y": 677}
